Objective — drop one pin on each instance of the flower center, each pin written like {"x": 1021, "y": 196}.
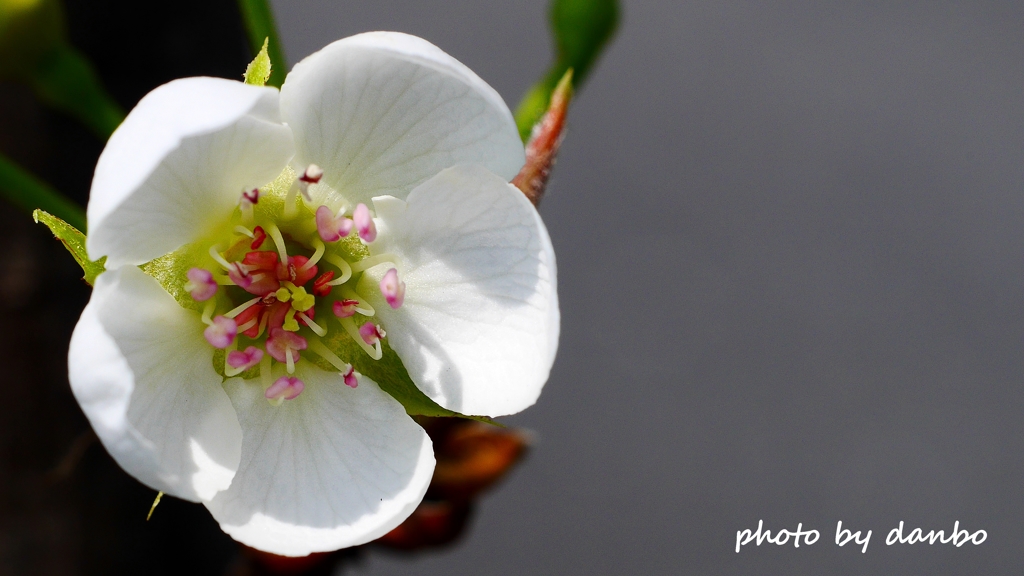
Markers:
{"x": 283, "y": 277}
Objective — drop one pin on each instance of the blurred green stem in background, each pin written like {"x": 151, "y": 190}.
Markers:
{"x": 260, "y": 27}
{"x": 581, "y": 29}
{"x": 28, "y": 192}
{"x": 34, "y": 49}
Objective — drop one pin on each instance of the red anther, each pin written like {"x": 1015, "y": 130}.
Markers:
{"x": 264, "y": 260}
{"x": 294, "y": 273}
{"x": 239, "y": 276}
{"x": 312, "y": 174}
{"x": 259, "y": 235}
{"x": 252, "y": 196}
{"x": 311, "y": 313}
{"x": 248, "y": 314}
{"x": 278, "y": 311}
{"x": 321, "y": 286}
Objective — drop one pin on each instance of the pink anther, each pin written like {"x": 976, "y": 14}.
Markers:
{"x": 392, "y": 288}
{"x": 222, "y": 332}
{"x": 285, "y": 388}
{"x": 345, "y": 308}
{"x": 371, "y": 333}
{"x": 331, "y": 228}
{"x": 350, "y": 377}
{"x": 251, "y": 196}
{"x": 245, "y": 360}
{"x": 283, "y": 344}
{"x": 201, "y": 284}
{"x": 364, "y": 223}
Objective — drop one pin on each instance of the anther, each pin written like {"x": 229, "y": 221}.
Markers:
{"x": 322, "y": 285}
{"x": 201, "y": 284}
{"x": 364, "y": 223}
{"x": 372, "y": 333}
{"x": 285, "y": 388}
{"x": 250, "y": 196}
{"x": 258, "y": 236}
{"x": 392, "y": 288}
{"x": 221, "y": 333}
{"x": 312, "y": 175}
{"x": 331, "y": 228}
{"x": 350, "y": 377}
{"x": 345, "y": 308}
{"x": 284, "y": 346}
{"x": 242, "y": 361}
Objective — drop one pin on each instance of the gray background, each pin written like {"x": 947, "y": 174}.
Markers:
{"x": 789, "y": 238}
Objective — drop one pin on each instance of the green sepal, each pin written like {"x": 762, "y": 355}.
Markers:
{"x": 74, "y": 241}
{"x": 389, "y": 373}
{"x": 581, "y": 29}
{"x": 258, "y": 71}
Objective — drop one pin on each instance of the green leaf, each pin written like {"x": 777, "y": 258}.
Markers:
{"x": 28, "y": 193}
{"x": 259, "y": 26}
{"x": 258, "y": 71}
{"x": 581, "y": 29}
{"x": 74, "y": 241}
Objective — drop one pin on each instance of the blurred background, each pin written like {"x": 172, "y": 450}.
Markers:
{"x": 789, "y": 238}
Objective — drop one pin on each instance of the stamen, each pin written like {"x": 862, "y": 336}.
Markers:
{"x": 371, "y": 261}
{"x": 263, "y": 325}
{"x": 201, "y": 285}
{"x": 350, "y": 377}
{"x": 285, "y": 388}
{"x": 208, "y": 309}
{"x": 348, "y": 372}
{"x": 275, "y": 235}
{"x": 251, "y": 196}
{"x": 343, "y": 265}
{"x": 363, "y": 307}
{"x": 244, "y": 231}
{"x": 393, "y": 289}
{"x": 371, "y": 333}
{"x": 284, "y": 346}
{"x": 265, "y": 376}
{"x": 315, "y": 257}
{"x": 329, "y": 227}
{"x": 238, "y": 362}
{"x": 364, "y": 223}
{"x": 242, "y": 308}
{"x": 322, "y": 285}
{"x": 312, "y": 325}
{"x": 246, "y": 202}
{"x": 259, "y": 235}
{"x": 344, "y": 308}
{"x": 349, "y": 325}
{"x": 247, "y": 325}
{"x": 220, "y": 259}
{"x": 221, "y": 332}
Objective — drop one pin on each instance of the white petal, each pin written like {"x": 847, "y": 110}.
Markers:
{"x": 143, "y": 374}
{"x": 334, "y": 467}
{"x": 178, "y": 163}
{"x": 382, "y": 112}
{"x": 479, "y": 328}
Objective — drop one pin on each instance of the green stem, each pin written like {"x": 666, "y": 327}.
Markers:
{"x": 28, "y": 192}
{"x": 259, "y": 25}
{"x": 64, "y": 79}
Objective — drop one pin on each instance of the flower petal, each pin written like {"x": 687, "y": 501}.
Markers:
{"x": 479, "y": 326}
{"x": 334, "y": 467}
{"x": 178, "y": 163}
{"x": 382, "y": 112}
{"x": 143, "y": 375}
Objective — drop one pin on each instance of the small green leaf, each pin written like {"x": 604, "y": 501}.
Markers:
{"x": 258, "y": 71}
{"x": 581, "y": 29}
{"x": 74, "y": 241}
{"x": 258, "y": 19}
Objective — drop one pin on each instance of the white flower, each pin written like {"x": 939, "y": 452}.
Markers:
{"x": 227, "y": 369}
